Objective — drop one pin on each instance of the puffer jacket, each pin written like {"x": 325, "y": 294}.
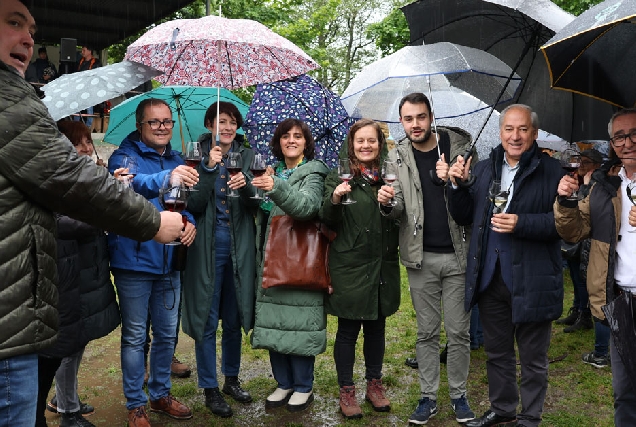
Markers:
{"x": 40, "y": 173}
{"x": 410, "y": 210}
{"x": 291, "y": 321}
{"x": 598, "y": 217}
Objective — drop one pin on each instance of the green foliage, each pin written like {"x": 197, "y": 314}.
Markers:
{"x": 575, "y": 7}
{"x": 390, "y": 34}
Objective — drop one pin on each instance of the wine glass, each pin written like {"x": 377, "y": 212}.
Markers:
{"x": 389, "y": 175}
{"x": 192, "y": 154}
{"x": 344, "y": 173}
{"x": 631, "y": 194}
{"x": 234, "y": 165}
{"x": 498, "y": 196}
{"x": 258, "y": 168}
{"x": 173, "y": 197}
{"x": 129, "y": 163}
{"x": 571, "y": 162}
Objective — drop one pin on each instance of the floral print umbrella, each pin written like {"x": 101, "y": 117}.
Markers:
{"x": 220, "y": 52}
{"x": 305, "y": 99}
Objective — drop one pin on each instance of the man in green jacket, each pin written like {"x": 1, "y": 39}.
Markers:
{"x": 40, "y": 173}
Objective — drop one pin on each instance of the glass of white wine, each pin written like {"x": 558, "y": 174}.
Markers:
{"x": 498, "y": 196}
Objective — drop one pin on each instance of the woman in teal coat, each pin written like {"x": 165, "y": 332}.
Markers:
{"x": 363, "y": 262}
{"x": 218, "y": 282}
{"x": 290, "y": 323}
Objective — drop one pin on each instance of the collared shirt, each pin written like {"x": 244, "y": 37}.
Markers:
{"x": 507, "y": 179}
{"x": 625, "y": 271}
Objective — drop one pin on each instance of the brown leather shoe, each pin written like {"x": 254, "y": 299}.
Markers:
{"x": 348, "y": 403}
{"x": 171, "y": 407}
{"x": 138, "y": 417}
{"x": 375, "y": 395}
{"x": 178, "y": 369}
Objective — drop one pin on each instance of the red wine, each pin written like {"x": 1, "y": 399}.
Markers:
{"x": 192, "y": 162}
{"x": 132, "y": 175}
{"x": 346, "y": 177}
{"x": 257, "y": 172}
{"x": 175, "y": 205}
{"x": 233, "y": 171}
{"x": 571, "y": 167}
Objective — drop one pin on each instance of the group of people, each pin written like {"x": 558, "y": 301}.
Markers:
{"x": 458, "y": 250}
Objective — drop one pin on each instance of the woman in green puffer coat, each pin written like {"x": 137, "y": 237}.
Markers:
{"x": 290, "y": 323}
{"x": 363, "y": 262}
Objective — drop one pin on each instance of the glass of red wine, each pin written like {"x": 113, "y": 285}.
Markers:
{"x": 234, "y": 165}
{"x": 129, "y": 163}
{"x": 173, "y": 197}
{"x": 571, "y": 162}
{"x": 345, "y": 174}
{"x": 389, "y": 175}
{"x": 258, "y": 168}
{"x": 192, "y": 155}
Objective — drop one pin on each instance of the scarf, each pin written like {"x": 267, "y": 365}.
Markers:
{"x": 281, "y": 171}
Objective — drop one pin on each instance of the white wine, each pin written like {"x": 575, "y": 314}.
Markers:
{"x": 500, "y": 201}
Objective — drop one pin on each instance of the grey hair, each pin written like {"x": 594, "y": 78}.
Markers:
{"x": 621, "y": 112}
{"x": 533, "y": 116}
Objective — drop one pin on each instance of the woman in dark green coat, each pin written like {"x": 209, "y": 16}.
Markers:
{"x": 363, "y": 262}
{"x": 218, "y": 282}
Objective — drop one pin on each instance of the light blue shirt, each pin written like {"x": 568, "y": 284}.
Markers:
{"x": 507, "y": 179}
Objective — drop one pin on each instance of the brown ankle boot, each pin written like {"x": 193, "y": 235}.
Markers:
{"x": 138, "y": 417}
{"x": 375, "y": 396}
{"x": 348, "y": 403}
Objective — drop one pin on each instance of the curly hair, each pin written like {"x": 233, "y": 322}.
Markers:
{"x": 284, "y": 127}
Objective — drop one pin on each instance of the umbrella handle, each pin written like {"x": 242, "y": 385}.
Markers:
{"x": 471, "y": 179}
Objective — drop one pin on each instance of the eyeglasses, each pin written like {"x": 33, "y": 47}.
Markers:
{"x": 619, "y": 140}
{"x": 156, "y": 124}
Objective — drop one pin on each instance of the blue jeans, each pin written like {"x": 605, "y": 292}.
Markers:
{"x": 601, "y": 339}
{"x": 19, "y": 385}
{"x": 292, "y": 371}
{"x": 225, "y": 307}
{"x": 624, "y": 391}
{"x": 141, "y": 293}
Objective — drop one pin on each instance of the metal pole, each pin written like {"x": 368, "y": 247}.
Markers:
{"x": 207, "y": 8}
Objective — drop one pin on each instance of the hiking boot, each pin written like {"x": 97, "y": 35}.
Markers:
{"x": 171, "y": 407}
{"x": 411, "y": 362}
{"x": 596, "y": 361}
{"x": 138, "y": 417}
{"x": 233, "y": 388}
{"x": 348, "y": 403}
{"x": 375, "y": 396}
{"x": 569, "y": 320}
{"x": 85, "y": 408}
{"x": 462, "y": 409}
{"x": 278, "y": 398}
{"x": 584, "y": 321}
{"x": 74, "y": 419}
{"x": 178, "y": 369}
{"x": 426, "y": 408}
{"x": 300, "y": 401}
{"x": 215, "y": 402}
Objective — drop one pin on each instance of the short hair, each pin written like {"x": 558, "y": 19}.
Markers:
{"x": 224, "y": 107}
{"x": 74, "y": 131}
{"x": 42, "y": 49}
{"x": 89, "y": 47}
{"x": 534, "y": 118}
{"x": 350, "y": 143}
{"x": 284, "y": 127}
{"x": 621, "y": 112}
{"x": 141, "y": 108}
{"x": 415, "y": 98}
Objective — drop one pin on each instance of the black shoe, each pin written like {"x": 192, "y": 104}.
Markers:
{"x": 569, "y": 320}
{"x": 75, "y": 419}
{"x": 411, "y": 362}
{"x": 214, "y": 400}
{"x": 584, "y": 321}
{"x": 85, "y": 408}
{"x": 443, "y": 355}
{"x": 490, "y": 419}
{"x": 233, "y": 388}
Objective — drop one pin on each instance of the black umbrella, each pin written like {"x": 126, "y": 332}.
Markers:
{"x": 620, "y": 316}
{"x": 595, "y": 54}
{"x": 513, "y": 31}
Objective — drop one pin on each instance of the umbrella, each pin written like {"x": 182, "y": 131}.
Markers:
{"x": 620, "y": 316}
{"x": 376, "y": 91}
{"x": 75, "y": 92}
{"x": 216, "y": 51}
{"x": 593, "y": 55}
{"x": 513, "y": 31}
{"x": 305, "y": 99}
{"x": 190, "y": 103}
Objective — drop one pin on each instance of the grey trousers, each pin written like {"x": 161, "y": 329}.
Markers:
{"x": 66, "y": 383}
{"x": 440, "y": 283}
{"x": 533, "y": 341}
{"x": 624, "y": 392}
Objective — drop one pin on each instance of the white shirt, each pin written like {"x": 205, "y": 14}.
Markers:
{"x": 625, "y": 271}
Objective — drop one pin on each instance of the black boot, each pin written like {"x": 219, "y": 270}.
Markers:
{"x": 584, "y": 321}
{"x": 214, "y": 400}
{"x": 74, "y": 419}
{"x": 569, "y": 320}
{"x": 233, "y": 388}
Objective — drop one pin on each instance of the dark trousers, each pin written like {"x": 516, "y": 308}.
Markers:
{"x": 581, "y": 297}
{"x": 47, "y": 366}
{"x": 344, "y": 351}
{"x": 533, "y": 340}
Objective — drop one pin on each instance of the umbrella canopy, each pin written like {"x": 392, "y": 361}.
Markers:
{"x": 305, "y": 99}
{"x": 216, "y": 51}
{"x": 513, "y": 31}
{"x": 376, "y": 91}
{"x": 75, "y": 92}
{"x": 188, "y": 102}
{"x": 594, "y": 54}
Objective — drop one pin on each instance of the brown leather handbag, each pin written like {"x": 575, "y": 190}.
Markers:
{"x": 297, "y": 254}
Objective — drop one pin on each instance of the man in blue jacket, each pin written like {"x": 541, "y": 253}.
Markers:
{"x": 514, "y": 268}
{"x": 143, "y": 273}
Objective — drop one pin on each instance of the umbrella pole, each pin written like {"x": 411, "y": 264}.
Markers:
{"x": 436, "y": 179}
{"x": 183, "y": 150}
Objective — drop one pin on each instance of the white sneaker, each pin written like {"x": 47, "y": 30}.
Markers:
{"x": 278, "y": 398}
{"x": 300, "y": 401}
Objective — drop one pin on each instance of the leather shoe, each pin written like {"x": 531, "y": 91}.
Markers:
{"x": 171, "y": 407}
{"x": 232, "y": 387}
{"x": 215, "y": 402}
{"x": 411, "y": 362}
{"x": 490, "y": 419}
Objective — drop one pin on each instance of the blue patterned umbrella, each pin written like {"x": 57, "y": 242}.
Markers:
{"x": 305, "y": 99}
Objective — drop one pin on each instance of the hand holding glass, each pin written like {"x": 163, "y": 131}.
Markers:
{"x": 129, "y": 163}
{"x": 234, "y": 165}
{"x": 498, "y": 196}
{"x": 571, "y": 162}
{"x": 344, "y": 173}
{"x": 389, "y": 175}
{"x": 173, "y": 197}
{"x": 258, "y": 168}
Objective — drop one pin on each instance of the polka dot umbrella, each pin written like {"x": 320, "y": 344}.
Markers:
{"x": 75, "y": 92}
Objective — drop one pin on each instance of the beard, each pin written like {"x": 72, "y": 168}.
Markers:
{"x": 423, "y": 138}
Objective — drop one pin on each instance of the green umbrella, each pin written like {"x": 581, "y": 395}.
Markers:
{"x": 189, "y": 103}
